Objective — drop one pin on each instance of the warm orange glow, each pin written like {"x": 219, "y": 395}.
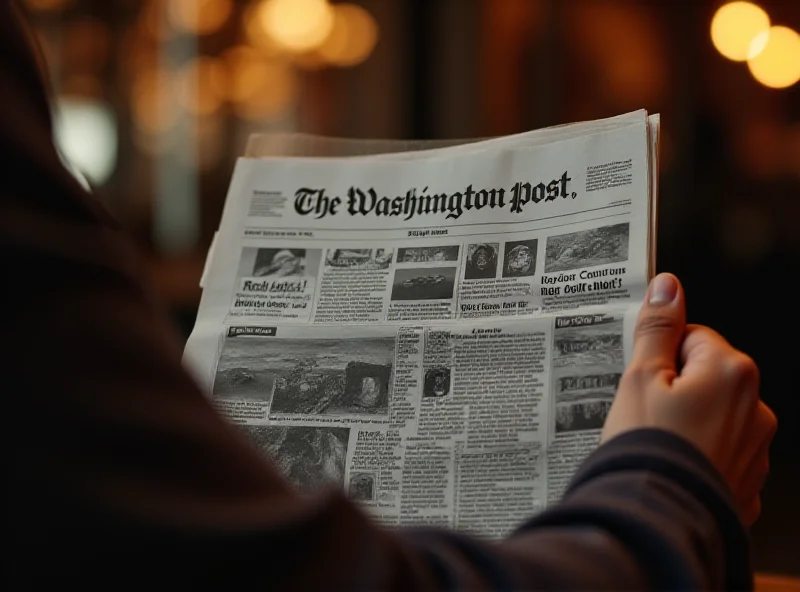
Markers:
{"x": 48, "y": 5}
{"x": 628, "y": 61}
{"x": 153, "y": 19}
{"x": 152, "y": 111}
{"x": 83, "y": 86}
{"x": 734, "y": 27}
{"x": 778, "y": 64}
{"x": 200, "y": 17}
{"x": 86, "y": 44}
{"x": 353, "y": 37}
{"x": 255, "y": 33}
{"x": 310, "y": 60}
{"x": 200, "y": 83}
{"x": 274, "y": 98}
{"x": 242, "y": 63}
{"x": 296, "y": 25}
{"x": 258, "y": 87}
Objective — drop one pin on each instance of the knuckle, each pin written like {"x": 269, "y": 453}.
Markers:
{"x": 741, "y": 367}
{"x": 764, "y": 470}
{"x": 769, "y": 420}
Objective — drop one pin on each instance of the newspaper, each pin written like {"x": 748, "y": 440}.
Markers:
{"x": 439, "y": 331}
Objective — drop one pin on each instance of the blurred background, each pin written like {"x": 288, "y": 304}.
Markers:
{"x": 156, "y": 99}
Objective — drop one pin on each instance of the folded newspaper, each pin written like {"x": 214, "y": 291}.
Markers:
{"x": 439, "y": 330}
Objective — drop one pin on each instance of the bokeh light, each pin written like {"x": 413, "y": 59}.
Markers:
{"x": 352, "y": 38}
{"x": 137, "y": 51}
{"x": 778, "y": 63}
{"x": 201, "y": 17}
{"x": 153, "y": 112}
{"x": 296, "y": 25}
{"x": 734, "y": 27}
{"x": 311, "y": 61}
{"x": 153, "y": 19}
{"x": 243, "y": 64}
{"x": 254, "y": 31}
{"x": 258, "y": 87}
{"x": 200, "y": 85}
{"x": 86, "y": 134}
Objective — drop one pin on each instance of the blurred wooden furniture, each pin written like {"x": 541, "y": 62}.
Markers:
{"x": 775, "y": 583}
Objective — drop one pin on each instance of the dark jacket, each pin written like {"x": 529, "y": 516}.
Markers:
{"x": 119, "y": 473}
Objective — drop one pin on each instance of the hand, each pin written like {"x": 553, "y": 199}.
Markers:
{"x": 689, "y": 381}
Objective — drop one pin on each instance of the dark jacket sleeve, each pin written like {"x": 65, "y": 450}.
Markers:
{"x": 118, "y": 471}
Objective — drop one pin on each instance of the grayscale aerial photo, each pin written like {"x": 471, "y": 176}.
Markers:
{"x": 587, "y": 248}
{"x": 308, "y": 376}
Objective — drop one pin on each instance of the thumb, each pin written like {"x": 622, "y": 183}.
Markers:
{"x": 660, "y": 328}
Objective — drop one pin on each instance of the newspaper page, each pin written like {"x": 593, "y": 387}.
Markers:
{"x": 438, "y": 332}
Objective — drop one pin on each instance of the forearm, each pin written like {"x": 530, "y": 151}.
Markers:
{"x": 659, "y": 499}
{"x": 633, "y": 528}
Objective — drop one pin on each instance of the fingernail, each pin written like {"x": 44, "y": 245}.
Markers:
{"x": 663, "y": 289}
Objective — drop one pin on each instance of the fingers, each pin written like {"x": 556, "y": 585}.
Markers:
{"x": 706, "y": 357}
{"x": 767, "y": 423}
{"x": 762, "y": 428}
{"x": 755, "y": 475}
{"x": 700, "y": 387}
{"x": 660, "y": 328}
{"x": 703, "y": 342}
{"x": 749, "y": 490}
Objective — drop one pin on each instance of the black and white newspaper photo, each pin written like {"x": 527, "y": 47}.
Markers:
{"x": 588, "y": 267}
{"x": 587, "y": 248}
{"x": 587, "y": 363}
{"x": 306, "y": 377}
{"x": 358, "y": 259}
{"x": 308, "y": 457}
{"x": 276, "y": 282}
{"x": 428, "y": 254}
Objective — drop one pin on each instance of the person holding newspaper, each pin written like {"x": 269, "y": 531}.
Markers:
{"x": 119, "y": 469}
